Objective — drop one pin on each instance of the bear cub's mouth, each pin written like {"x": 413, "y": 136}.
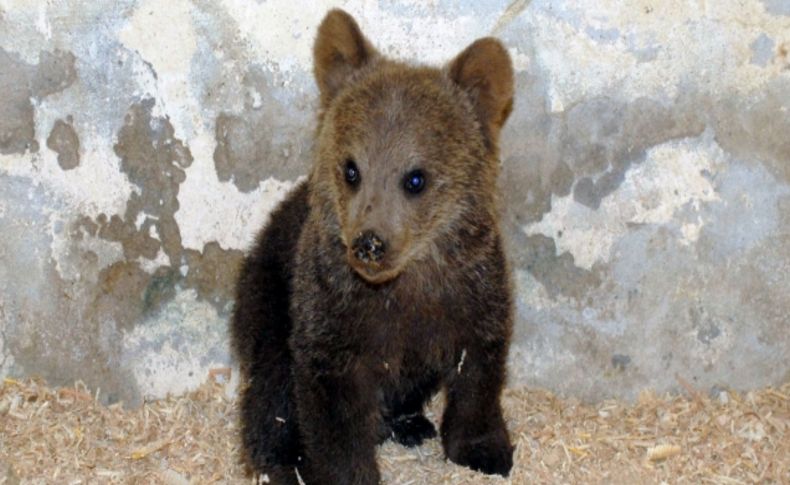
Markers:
{"x": 372, "y": 271}
{"x": 368, "y": 256}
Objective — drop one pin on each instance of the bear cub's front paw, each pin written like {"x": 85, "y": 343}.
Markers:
{"x": 412, "y": 429}
{"x": 490, "y": 453}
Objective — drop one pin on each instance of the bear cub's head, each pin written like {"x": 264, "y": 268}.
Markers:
{"x": 406, "y": 156}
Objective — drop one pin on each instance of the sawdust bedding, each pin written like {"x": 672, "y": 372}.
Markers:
{"x": 62, "y": 435}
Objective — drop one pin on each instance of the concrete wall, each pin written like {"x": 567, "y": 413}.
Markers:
{"x": 646, "y": 170}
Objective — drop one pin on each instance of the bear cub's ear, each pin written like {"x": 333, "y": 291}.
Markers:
{"x": 339, "y": 50}
{"x": 485, "y": 72}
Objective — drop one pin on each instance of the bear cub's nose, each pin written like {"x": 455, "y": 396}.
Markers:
{"x": 368, "y": 247}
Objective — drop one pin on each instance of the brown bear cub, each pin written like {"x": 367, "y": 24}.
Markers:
{"x": 382, "y": 278}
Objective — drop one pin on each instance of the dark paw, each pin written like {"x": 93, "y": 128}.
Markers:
{"x": 411, "y": 430}
{"x": 488, "y": 454}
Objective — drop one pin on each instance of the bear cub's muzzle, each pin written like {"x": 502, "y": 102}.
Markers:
{"x": 368, "y": 247}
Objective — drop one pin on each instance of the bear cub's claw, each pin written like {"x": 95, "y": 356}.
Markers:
{"x": 412, "y": 429}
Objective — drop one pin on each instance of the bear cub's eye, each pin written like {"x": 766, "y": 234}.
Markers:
{"x": 352, "y": 173}
{"x": 414, "y": 182}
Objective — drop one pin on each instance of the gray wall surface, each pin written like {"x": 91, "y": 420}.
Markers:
{"x": 646, "y": 174}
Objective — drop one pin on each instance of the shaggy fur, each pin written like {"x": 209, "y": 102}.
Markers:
{"x": 340, "y": 350}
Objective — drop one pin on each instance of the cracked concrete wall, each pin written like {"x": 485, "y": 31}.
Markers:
{"x": 646, "y": 170}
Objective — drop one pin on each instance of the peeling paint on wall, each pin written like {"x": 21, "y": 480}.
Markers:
{"x": 645, "y": 172}
{"x": 674, "y": 175}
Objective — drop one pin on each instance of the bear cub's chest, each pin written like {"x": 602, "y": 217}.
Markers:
{"x": 405, "y": 328}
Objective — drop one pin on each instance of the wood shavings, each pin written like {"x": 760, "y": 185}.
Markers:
{"x": 461, "y": 361}
{"x": 67, "y": 393}
{"x": 258, "y": 480}
{"x": 172, "y": 477}
{"x": 299, "y": 476}
{"x": 693, "y": 393}
{"x": 148, "y": 449}
{"x": 65, "y": 436}
{"x": 662, "y": 452}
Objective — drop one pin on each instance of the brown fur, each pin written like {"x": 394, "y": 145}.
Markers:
{"x": 337, "y": 351}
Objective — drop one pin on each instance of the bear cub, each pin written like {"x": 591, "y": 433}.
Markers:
{"x": 382, "y": 278}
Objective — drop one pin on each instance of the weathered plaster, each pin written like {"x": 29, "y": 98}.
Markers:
{"x": 645, "y": 173}
{"x": 671, "y": 178}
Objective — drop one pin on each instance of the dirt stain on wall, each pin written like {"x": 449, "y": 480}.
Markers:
{"x": 250, "y": 148}
{"x": 155, "y": 161}
{"x": 21, "y": 84}
{"x": 64, "y": 141}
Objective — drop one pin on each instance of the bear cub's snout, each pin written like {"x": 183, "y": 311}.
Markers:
{"x": 368, "y": 247}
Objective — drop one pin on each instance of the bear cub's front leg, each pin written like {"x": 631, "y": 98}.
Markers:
{"x": 473, "y": 429}
{"x": 339, "y": 421}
